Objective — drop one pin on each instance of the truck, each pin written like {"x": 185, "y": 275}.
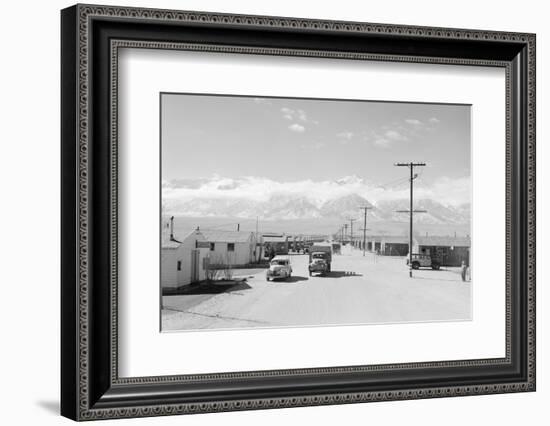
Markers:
{"x": 320, "y": 258}
{"x": 275, "y": 245}
{"x": 424, "y": 261}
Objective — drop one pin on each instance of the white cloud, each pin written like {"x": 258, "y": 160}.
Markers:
{"x": 387, "y": 138}
{"x": 298, "y": 128}
{"x": 296, "y": 115}
{"x": 413, "y": 121}
{"x": 448, "y": 191}
{"x": 287, "y": 113}
{"x": 381, "y": 142}
{"x": 345, "y": 135}
{"x": 315, "y": 145}
{"x": 394, "y": 135}
{"x": 262, "y": 101}
{"x": 433, "y": 120}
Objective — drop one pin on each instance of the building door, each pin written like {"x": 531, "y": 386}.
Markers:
{"x": 194, "y": 266}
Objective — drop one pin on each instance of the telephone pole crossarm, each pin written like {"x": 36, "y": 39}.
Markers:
{"x": 409, "y": 164}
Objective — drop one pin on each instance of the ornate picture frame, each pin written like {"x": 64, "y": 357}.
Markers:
{"x": 91, "y": 37}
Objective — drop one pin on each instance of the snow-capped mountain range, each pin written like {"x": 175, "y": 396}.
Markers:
{"x": 340, "y": 199}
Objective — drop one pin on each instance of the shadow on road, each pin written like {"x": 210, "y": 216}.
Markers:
{"x": 458, "y": 280}
{"x": 205, "y": 288}
{"x": 340, "y": 274}
{"x": 292, "y": 279}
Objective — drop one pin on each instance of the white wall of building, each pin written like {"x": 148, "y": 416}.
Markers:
{"x": 189, "y": 244}
{"x": 171, "y": 277}
{"x": 168, "y": 268}
{"x": 243, "y": 252}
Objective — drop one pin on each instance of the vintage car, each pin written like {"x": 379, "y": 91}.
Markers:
{"x": 424, "y": 261}
{"x": 279, "y": 268}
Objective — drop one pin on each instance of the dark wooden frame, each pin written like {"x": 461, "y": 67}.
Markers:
{"x": 90, "y": 386}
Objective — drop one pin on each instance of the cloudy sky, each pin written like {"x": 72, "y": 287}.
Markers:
{"x": 282, "y": 144}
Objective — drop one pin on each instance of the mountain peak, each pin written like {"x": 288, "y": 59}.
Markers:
{"x": 345, "y": 206}
{"x": 350, "y": 180}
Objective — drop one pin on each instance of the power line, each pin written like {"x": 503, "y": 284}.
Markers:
{"x": 395, "y": 182}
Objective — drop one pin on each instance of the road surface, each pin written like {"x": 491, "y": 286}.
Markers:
{"x": 359, "y": 290}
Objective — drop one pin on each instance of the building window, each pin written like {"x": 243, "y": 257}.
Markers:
{"x": 179, "y": 265}
{"x": 212, "y": 246}
{"x": 230, "y": 246}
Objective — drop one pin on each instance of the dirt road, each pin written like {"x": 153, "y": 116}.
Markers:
{"x": 359, "y": 290}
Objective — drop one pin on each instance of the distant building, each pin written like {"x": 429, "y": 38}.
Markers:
{"x": 394, "y": 245}
{"x": 234, "y": 248}
{"x": 357, "y": 242}
{"x": 315, "y": 238}
{"x": 183, "y": 262}
{"x": 451, "y": 251}
{"x": 387, "y": 245}
{"x": 296, "y": 243}
{"x": 374, "y": 243}
{"x": 276, "y": 243}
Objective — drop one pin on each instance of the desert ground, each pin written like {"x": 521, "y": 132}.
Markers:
{"x": 360, "y": 289}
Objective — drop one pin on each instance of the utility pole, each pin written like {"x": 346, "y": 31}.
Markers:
{"x": 365, "y": 228}
{"x": 364, "y": 239}
{"x": 411, "y": 167}
{"x": 351, "y": 230}
{"x": 345, "y": 230}
{"x": 257, "y": 249}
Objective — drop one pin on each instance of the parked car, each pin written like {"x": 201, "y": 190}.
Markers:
{"x": 279, "y": 267}
{"x": 424, "y": 261}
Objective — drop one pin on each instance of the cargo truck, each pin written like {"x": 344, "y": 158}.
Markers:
{"x": 320, "y": 258}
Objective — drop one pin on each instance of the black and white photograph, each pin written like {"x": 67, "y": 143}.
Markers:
{"x": 299, "y": 212}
